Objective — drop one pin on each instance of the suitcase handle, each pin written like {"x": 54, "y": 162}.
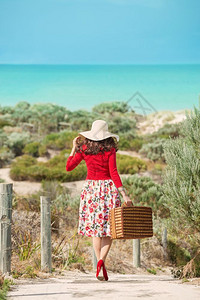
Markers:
{"x": 125, "y": 205}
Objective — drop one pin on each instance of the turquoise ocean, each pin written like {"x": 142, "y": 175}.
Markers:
{"x": 163, "y": 87}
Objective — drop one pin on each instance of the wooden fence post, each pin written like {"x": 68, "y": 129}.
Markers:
{"x": 136, "y": 253}
{"x": 94, "y": 260}
{"x": 164, "y": 242}
{"x": 5, "y": 226}
{"x": 45, "y": 234}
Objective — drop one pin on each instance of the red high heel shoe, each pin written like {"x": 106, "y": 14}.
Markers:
{"x": 105, "y": 275}
{"x": 99, "y": 266}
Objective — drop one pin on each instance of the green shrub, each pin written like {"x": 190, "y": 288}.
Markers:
{"x": 6, "y": 110}
{"x": 19, "y": 168}
{"x": 110, "y": 107}
{"x": 154, "y": 151}
{"x": 42, "y": 150}
{"x": 50, "y": 140}
{"x": 123, "y": 125}
{"x": 136, "y": 144}
{"x": 144, "y": 191}
{"x": 61, "y": 140}
{"x": 38, "y": 172}
{"x": 167, "y": 131}
{"x": 130, "y": 165}
{"x": 22, "y": 106}
{"x": 132, "y": 144}
{"x": 124, "y": 143}
{"x": 181, "y": 178}
{"x": 17, "y": 141}
{"x": 4, "y": 122}
{"x": 44, "y": 116}
{"x": 81, "y": 120}
{"x": 181, "y": 184}
{"x": 158, "y": 169}
{"x": 177, "y": 254}
{"x": 151, "y": 145}
{"x": 3, "y": 138}
{"x": 5, "y": 156}
{"x": 32, "y": 149}
{"x": 27, "y": 168}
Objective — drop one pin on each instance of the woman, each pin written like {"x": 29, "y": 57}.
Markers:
{"x": 101, "y": 188}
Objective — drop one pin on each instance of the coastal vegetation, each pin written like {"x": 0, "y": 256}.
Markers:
{"x": 161, "y": 168}
{"x": 144, "y": 191}
{"x": 182, "y": 185}
{"x": 26, "y": 167}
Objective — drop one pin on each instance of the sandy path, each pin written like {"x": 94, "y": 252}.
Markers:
{"x": 27, "y": 187}
{"x": 20, "y": 187}
{"x": 132, "y": 154}
{"x": 79, "y": 285}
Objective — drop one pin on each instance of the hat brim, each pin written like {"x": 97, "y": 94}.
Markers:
{"x": 88, "y": 134}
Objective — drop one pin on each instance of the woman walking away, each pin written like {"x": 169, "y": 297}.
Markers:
{"x": 100, "y": 191}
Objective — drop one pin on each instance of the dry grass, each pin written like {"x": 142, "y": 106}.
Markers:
{"x": 192, "y": 268}
{"x": 71, "y": 251}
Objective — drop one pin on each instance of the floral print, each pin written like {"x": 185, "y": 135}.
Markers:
{"x": 97, "y": 198}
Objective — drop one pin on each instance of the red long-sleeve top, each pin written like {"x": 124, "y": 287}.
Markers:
{"x": 99, "y": 166}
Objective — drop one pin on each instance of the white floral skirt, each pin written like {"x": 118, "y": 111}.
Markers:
{"x": 97, "y": 198}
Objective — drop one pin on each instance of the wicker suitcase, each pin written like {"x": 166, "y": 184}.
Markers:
{"x": 133, "y": 222}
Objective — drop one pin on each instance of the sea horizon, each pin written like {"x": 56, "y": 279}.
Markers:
{"x": 81, "y": 86}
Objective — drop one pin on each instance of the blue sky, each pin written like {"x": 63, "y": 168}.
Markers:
{"x": 99, "y": 31}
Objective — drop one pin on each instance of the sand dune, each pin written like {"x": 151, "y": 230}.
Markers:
{"x": 157, "y": 120}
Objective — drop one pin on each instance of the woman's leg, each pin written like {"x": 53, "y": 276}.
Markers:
{"x": 105, "y": 247}
{"x": 97, "y": 246}
{"x": 101, "y": 247}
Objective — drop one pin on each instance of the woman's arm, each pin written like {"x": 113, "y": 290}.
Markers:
{"x": 113, "y": 169}
{"x": 73, "y": 151}
{"x": 73, "y": 160}
{"x": 116, "y": 178}
{"x": 125, "y": 196}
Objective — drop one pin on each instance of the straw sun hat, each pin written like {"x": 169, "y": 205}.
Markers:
{"x": 99, "y": 131}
